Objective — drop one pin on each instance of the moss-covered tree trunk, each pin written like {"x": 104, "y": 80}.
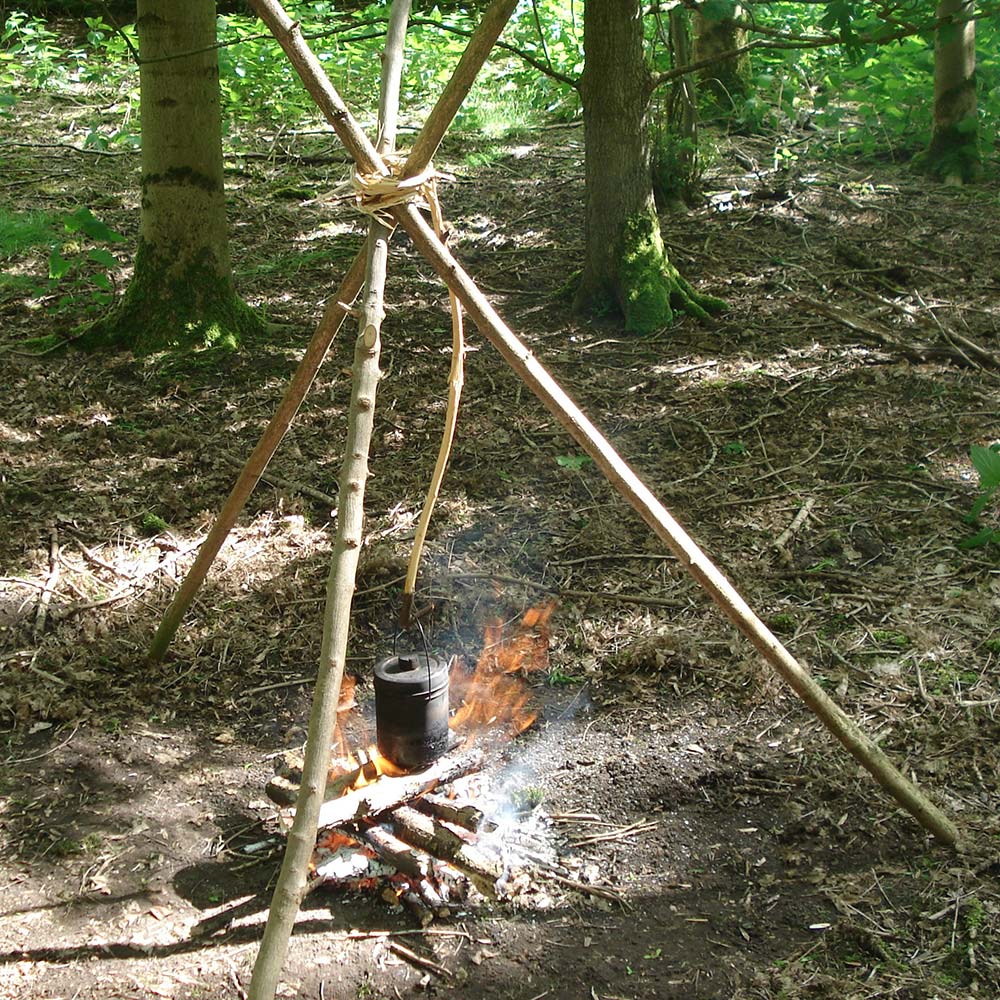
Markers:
{"x": 181, "y": 294}
{"x": 954, "y": 148}
{"x": 724, "y": 79}
{"x": 625, "y": 265}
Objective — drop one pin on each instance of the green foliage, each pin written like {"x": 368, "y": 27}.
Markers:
{"x": 987, "y": 464}
{"x": 30, "y": 51}
{"x": 874, "y": 99}
{"x": 80, "y": 269}
{"x": 677, "y": 168}
{"x": 258, "y": 81}
{"x": 153, "y": 524}
{"x": 33, "y": 55}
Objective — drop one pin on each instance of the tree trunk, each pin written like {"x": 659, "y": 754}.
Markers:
{"x": 676, "y": 166}
{"x": 181, "y": 293}
{"x": 953, "y": 153}
{"x": 726, "y": 80}
{"x": 625, "y": 265}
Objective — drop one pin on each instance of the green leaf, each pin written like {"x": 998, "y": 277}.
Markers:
{"x": 84, "y": 219}
{"x": 58, "y": 265}
{"x": 102, "y": 256}
{"x": 979, "y": 539}
{"x": 978, "y": 507}
{"x": 573, "y": 461}
{"x": 987, "y": 463}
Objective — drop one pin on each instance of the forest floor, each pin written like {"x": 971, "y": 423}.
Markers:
{"x": 139, "y": 850}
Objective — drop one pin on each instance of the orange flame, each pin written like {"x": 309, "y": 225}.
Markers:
{"x": 495, "y": 695}
{"x": 345, "y": 703}
{"x": 334, "y": 840}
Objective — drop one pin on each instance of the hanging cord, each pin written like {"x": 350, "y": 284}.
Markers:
{"x": 374, "y": 195}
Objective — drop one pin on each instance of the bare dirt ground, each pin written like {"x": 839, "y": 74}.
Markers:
{"x": 139, "y": 848}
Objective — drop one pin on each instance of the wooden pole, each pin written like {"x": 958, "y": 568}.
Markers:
{"x": 691, "y": 557}
{"x": 329, "y": 326}
{"x": 293, "y": 878}
{"x": 614, "y": 467}
{"x": 440, "y": 118}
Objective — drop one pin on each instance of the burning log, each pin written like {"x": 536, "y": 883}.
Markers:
{"x": 388, "y": 793}
{"x": 283, "y": 788}
{"x": 393, "y": 851}
{"x": 458, "y": 811}
{"x": 428, "y": 834}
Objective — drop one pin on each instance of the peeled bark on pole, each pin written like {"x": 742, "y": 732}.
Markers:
{"x": 615, "y": 469}
{"x": 294, "y": 874}
{"x": 440, "y": 118}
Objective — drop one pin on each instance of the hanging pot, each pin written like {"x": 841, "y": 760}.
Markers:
{"x": 411, "y": 709}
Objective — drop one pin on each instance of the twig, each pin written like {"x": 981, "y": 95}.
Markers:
{"x": 93, "y": 557}
{"x": 621, "y": 833}
{"x": 600, "y": 595}
{"x": 604, "y": 892}
{"x": 23, "y": 583}
{"x": 290, "y": 484}
{"x": 797, "y": 522}
{"x": 39, "y": 756}
{"x": 424, "y": 963}
{"x": 912, "y": 351}
{"x": 46, "y": 596}
{"x": 609, "y": 556}
{"x": 423, "y": 931}
{"x": 294, "y": 682}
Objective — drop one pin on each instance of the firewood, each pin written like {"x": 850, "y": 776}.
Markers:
{"x": 388, "y": 793}
{"x": 432, "y": 898}
{"x": 393, "y": 851}
{"x": 283, "y": 790}
{"x": 428, "y": 834}
{"x": 458, "y": 811}
{"x": 418, "y": 908}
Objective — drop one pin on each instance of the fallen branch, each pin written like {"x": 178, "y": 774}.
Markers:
{"x": 913, "y": 350}
{"x": 800, "y": 518}
{"x": 289, "y": 484}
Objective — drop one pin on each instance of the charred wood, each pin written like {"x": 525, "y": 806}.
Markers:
{"x": 458, "y": 811}
{"x": 429, "y": 835}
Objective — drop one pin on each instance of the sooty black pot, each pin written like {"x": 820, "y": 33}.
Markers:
{"x": 411, "y": 709}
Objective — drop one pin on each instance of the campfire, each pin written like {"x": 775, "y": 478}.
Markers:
{"x": 412, "y": 818}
